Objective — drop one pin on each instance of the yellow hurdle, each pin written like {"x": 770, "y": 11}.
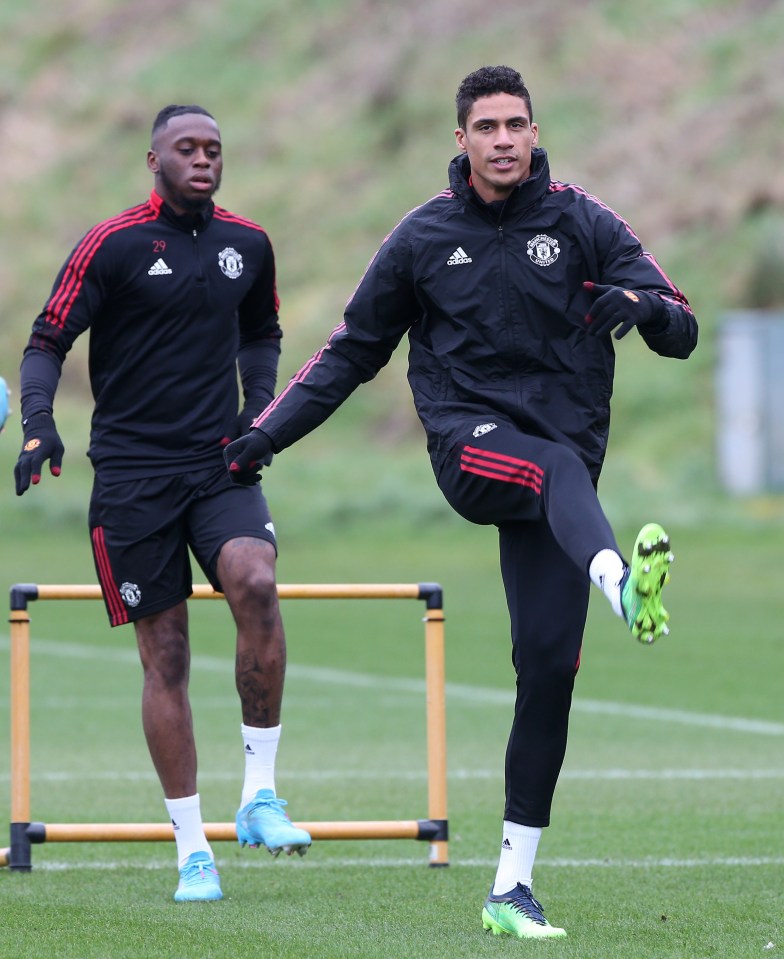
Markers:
{"x": 25, "y": 833}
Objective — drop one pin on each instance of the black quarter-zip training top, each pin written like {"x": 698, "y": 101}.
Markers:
{"x": 172, "y": 303}
{"x": 492, "y": 299}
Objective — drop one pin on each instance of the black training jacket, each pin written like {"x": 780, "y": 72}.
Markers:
{"x": 173, "y": 303}
{"x": 492, "y": 299}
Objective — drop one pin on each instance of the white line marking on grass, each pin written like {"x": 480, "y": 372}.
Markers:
{"x": 761, "y": 726}
{"x": 409, "y": 775}
{"x": 647, "y": 863}
{"x": 721, "y": 862}
{"x": 695, "y": 774}
{"x": 478, "y": 695}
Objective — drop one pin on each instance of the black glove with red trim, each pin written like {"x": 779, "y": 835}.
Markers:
{"x": 625, "y": 309}
{"x": 246, "y": 456}
{"x": 242, "y": 424}
{"x": 41, "y": 443}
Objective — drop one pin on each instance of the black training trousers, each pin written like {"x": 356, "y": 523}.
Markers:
{"x": 540, "y": 496}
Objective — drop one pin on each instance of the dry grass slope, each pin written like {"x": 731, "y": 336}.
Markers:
{"x": 337, "y": 117}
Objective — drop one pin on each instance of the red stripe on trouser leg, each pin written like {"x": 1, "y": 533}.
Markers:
{"x": 117, "y": 611}
{"x": 521, "y": 480}
{"x": 503, "y": 458}
{"x": 505, "y": 468}
{"x": 502, "y": 470}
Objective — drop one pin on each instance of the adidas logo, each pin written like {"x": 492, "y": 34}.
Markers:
{"x": 248, "y": 750}
{"x": 176, "y": 827}
{"x": 158, "y": 268}
{"x": 458, "y": 257}
{"x": 484, "y": 428}
{"x": 506, "y": 845}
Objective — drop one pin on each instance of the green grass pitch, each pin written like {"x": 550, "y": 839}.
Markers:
{"x": 667, "y": 829}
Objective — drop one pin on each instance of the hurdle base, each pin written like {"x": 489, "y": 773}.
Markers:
{"x": 19, "y": 858}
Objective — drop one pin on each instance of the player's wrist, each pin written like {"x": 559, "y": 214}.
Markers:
{"x": 657, "y": 317}
{"x": 262, "y": 437}
{"x": 38, "y": 418}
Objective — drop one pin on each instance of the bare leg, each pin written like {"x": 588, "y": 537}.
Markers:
{"x": 166, "y": 712}
{"x": 246, "y": 569}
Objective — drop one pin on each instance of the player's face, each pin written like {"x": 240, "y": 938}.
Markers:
{"x": 187, "y": 161}
{"x": 498, "y": 139}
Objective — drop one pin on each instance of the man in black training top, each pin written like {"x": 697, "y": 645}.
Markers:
{"x": 509, "y": 285}
{"x": 177, "y": 293}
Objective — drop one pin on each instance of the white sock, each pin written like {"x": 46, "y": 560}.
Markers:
{"x": 261, "y": 747}
{"x": 606, "y": 572}
{"x": 518, "y": 851}
{"x": 185, "y": 815}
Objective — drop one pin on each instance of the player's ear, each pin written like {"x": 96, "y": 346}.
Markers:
{"x": 152, "y": 161}
{"x": 460, "y": 139}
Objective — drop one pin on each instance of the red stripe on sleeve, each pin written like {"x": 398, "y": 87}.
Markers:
{"x": 228, "y": 217}
{"x": 63, "y": 297}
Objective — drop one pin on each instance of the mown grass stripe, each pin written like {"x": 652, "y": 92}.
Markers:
{"x": 466, "y": 694}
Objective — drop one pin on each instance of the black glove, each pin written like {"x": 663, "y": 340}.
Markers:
{"x": 41, "y": 443}
{"x": 246, "y": 456}
{"x": 241, "y": 426}
{"x": 616, "y": 306}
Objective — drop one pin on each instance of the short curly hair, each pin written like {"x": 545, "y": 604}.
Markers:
{"x": 176, "y": 110}
{"x": 486, "y": 81}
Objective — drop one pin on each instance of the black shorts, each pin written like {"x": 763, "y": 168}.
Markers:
{"x": 141, "y": 530}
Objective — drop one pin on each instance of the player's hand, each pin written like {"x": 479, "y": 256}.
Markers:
{"x": 242, "y": 425}
{"x": 246, "y": 456}
{"x": 41, "y": 443}
{"x": 617, "y": 307}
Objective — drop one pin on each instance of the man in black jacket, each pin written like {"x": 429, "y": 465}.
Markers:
{"x": 509, "y": 285}
{"x": 177, "y": 293}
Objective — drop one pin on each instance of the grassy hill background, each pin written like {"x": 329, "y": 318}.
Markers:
{"x": 337, "y": 118}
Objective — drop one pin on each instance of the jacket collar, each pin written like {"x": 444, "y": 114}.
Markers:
{"x": 523, "y": 195}
{"x": 187, "y": 222}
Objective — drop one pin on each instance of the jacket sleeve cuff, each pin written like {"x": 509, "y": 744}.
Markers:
{"x": 658, "y": 321}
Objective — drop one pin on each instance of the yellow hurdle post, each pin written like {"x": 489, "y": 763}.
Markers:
{"x": 24, "y": 832}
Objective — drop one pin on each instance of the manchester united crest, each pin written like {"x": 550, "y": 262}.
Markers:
{"x": 131, "y": 594}
{"x": 543, "y": 250}
{"x": 230, "y": 262}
